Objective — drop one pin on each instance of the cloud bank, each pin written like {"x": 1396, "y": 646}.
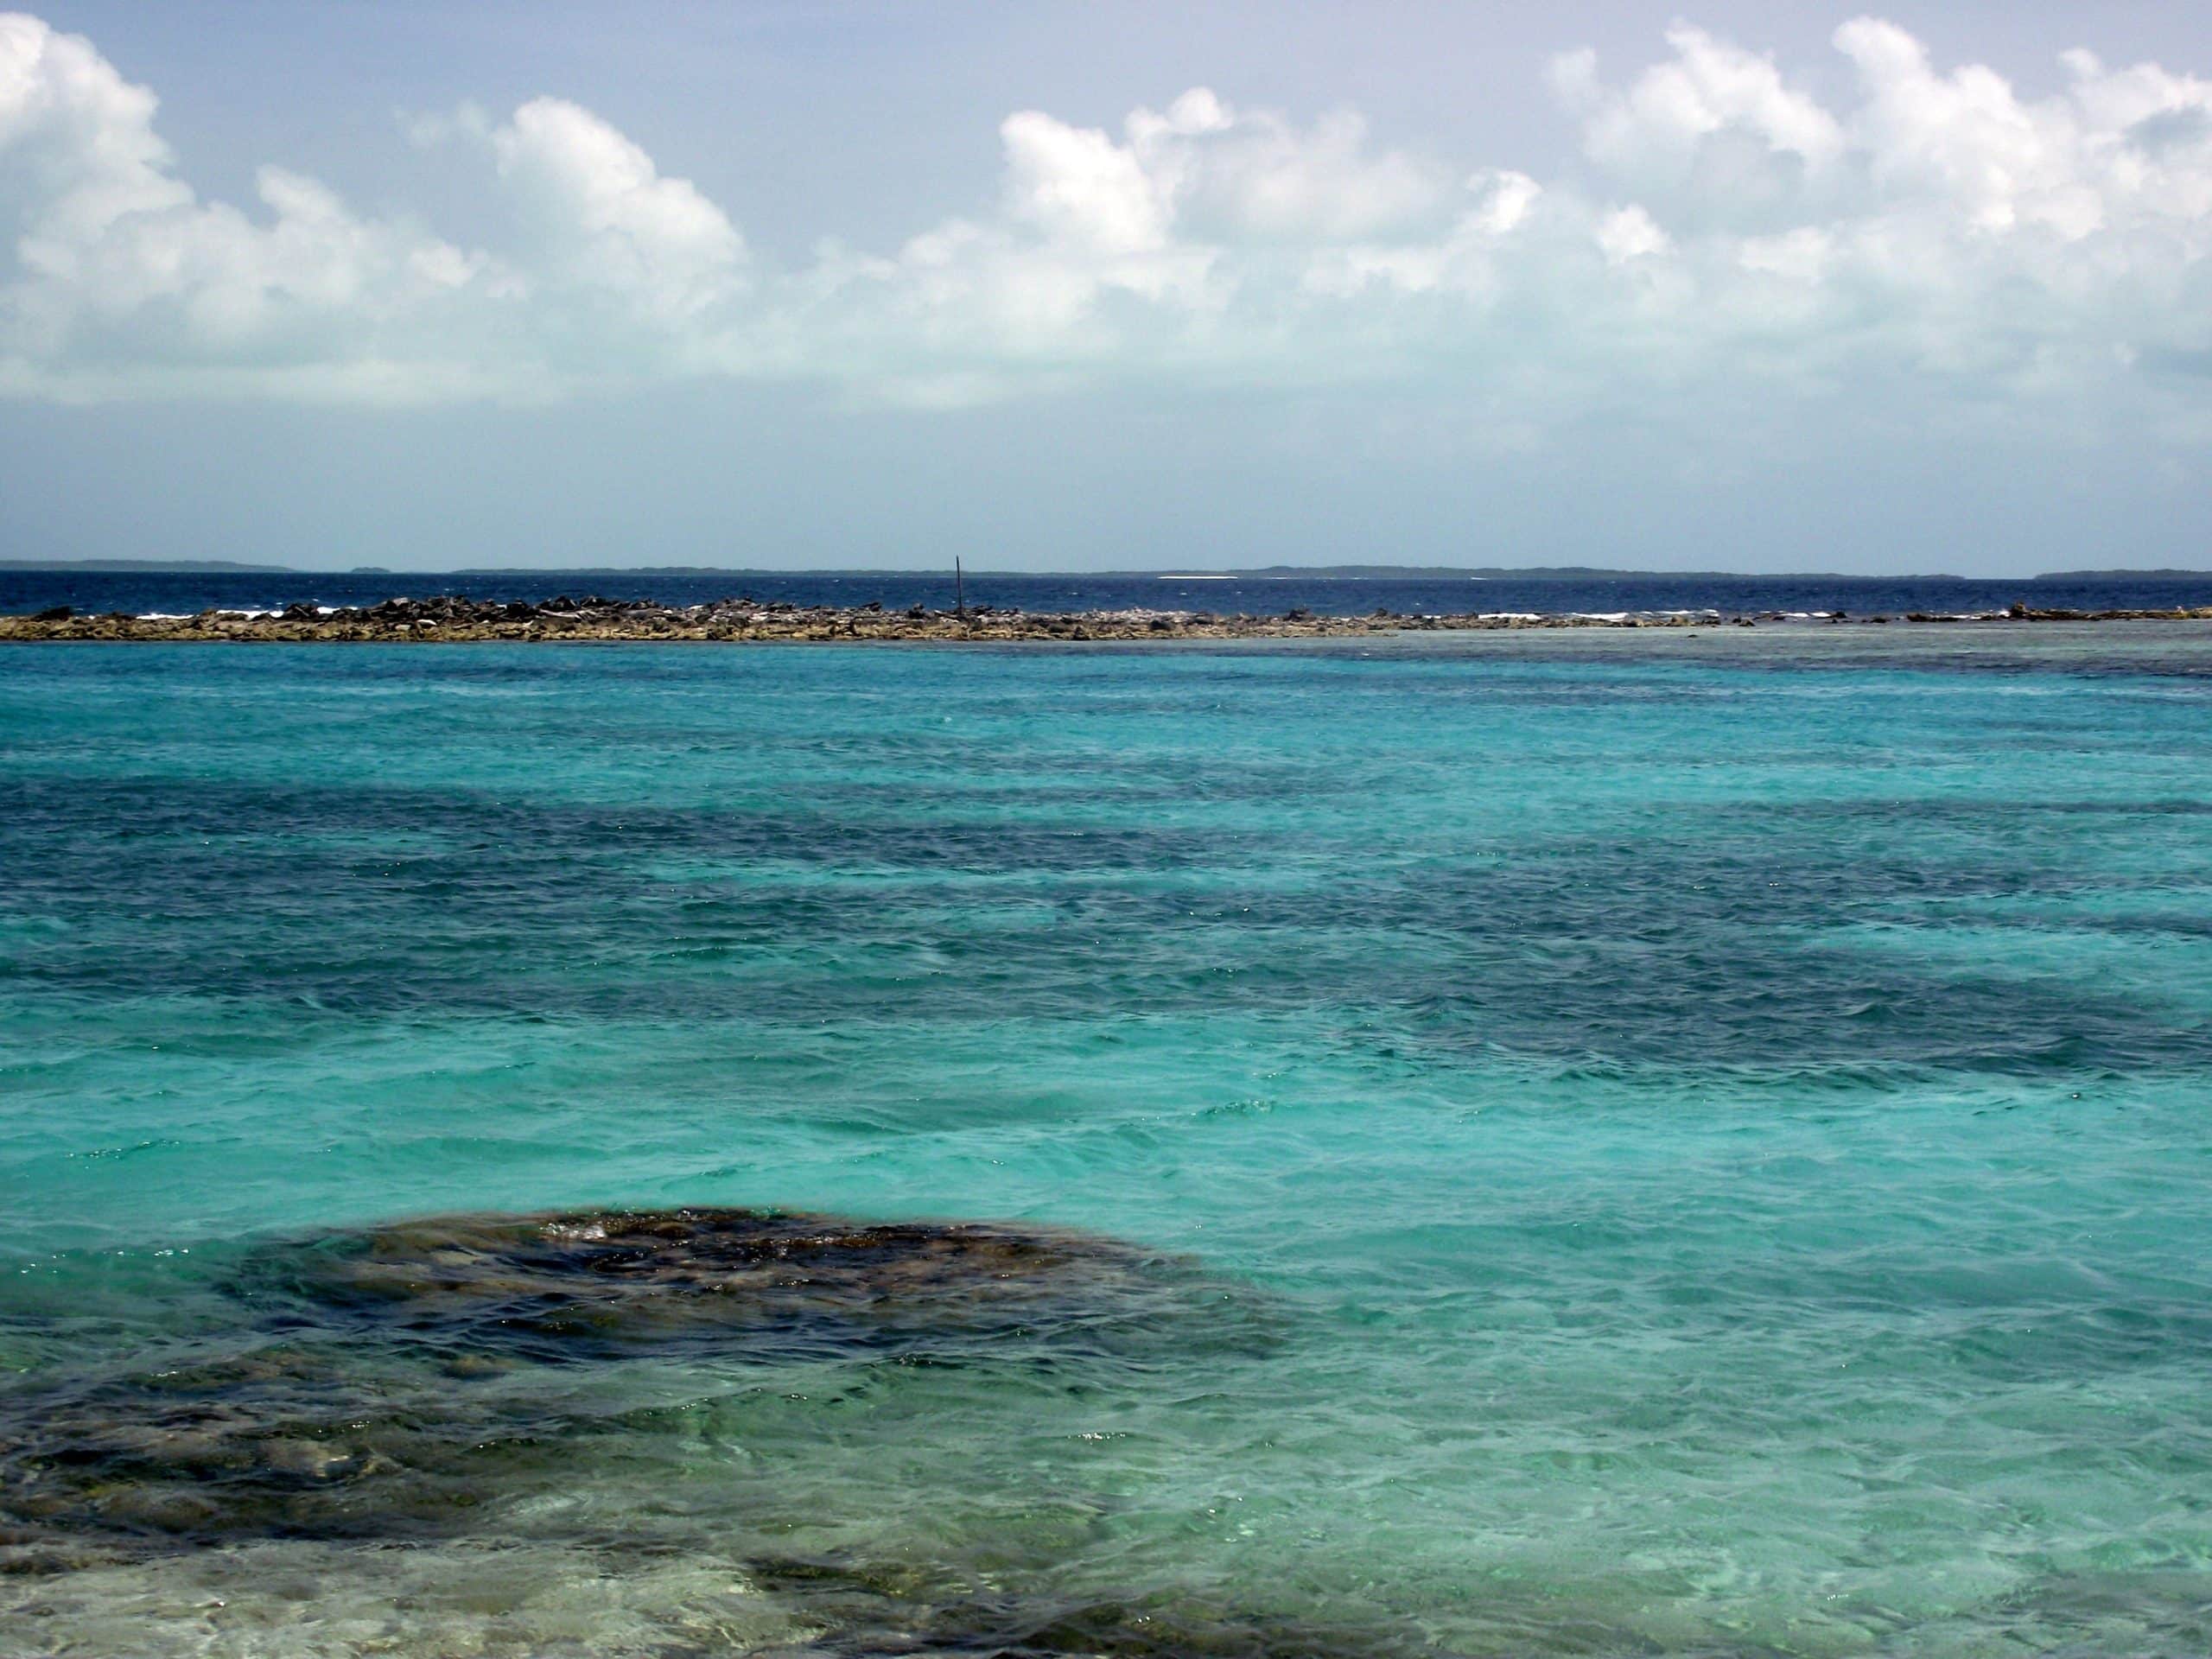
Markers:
{"x": 1945, "y": 246}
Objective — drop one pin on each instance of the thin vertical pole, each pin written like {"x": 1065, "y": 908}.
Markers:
{"x": 959, "y": 589}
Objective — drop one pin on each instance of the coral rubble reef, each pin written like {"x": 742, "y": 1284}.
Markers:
{"x": 455, "y": 618}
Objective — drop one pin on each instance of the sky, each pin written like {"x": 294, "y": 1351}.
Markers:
{"x": 1057, "y": 286}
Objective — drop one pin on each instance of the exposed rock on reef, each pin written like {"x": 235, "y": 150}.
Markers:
{"x": 452, "y": 618}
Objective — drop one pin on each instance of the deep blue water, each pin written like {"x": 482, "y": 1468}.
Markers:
{"x": 141, "y": 593}
{"x": 1656, "y": 1143}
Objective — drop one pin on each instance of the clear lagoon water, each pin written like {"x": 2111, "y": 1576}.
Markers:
{"x": 1630, "y": 1143}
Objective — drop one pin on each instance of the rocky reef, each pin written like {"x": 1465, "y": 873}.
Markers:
{"x": 453, "y": 618}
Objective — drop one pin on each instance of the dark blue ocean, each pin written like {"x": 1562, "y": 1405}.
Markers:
{"x": 141, "y": 593}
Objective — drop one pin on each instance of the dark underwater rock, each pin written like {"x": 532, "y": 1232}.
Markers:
{"x": 883, "y": 1612}
{"x": 395, "y": 1382}
{"x": 404, "y": 1392}
{"x": 273, "y": 1440}
{"x": 614, "y": 1283}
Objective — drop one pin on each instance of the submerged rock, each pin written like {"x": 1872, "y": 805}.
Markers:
{"x": 876, "y": 1612}
{"x": 570, "y": 1286}
{"x": 612, "y": 1599}
{"x": 258, "y": 1441}
{"x": 404, "y": 1380}
{"x": 475, "y": 1414}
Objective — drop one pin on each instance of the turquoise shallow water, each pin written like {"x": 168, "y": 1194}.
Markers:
{"x": 1667, "y": 1144}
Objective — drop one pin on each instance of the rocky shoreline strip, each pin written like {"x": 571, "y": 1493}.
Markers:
{"x": 453, "y": 618}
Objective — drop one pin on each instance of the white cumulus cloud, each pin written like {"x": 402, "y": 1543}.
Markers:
{"x": 2046, "y": 254}
{"x": 125, "y": 280}
{"x": 603, "y": 218}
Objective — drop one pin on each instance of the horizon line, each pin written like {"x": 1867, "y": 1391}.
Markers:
{"x": 1273, "y": 572}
